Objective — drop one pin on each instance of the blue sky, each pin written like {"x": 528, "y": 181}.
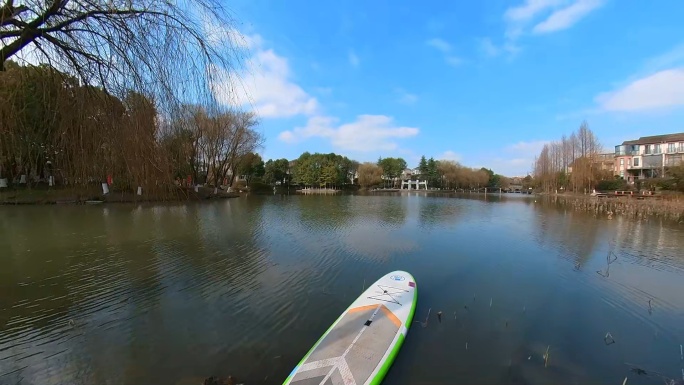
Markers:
{"x": 482, "y": 82}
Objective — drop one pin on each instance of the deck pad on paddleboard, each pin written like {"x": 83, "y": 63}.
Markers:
{"x": 361, "y": 344}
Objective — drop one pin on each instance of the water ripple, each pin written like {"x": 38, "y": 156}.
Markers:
{"x": 152, "y": 294}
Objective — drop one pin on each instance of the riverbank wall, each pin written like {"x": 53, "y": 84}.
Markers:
{"x": 663, "y": 207}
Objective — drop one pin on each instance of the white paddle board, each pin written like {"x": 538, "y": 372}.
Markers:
{"x": 360, "y": 346}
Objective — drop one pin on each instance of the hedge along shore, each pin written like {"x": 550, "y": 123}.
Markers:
{"x": 669, "y": 207}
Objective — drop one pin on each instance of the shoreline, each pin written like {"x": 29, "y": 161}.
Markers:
{"x": 662, "y": 206}
{"x": 670, "y": 207}
{"x": 317, "y": 191}
{"x": 45, "y": 197}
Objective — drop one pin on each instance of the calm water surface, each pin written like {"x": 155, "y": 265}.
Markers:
{"x": 170, "y": 294}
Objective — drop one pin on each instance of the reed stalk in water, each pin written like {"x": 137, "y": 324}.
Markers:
{"x": 546, "y": 356}
{"x": 425, "y": 324}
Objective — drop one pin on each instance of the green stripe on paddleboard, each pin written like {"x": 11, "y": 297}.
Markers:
{"x": 393, "y": 354}
{"x": 294, "y": 371}
{"x": 388, "y": 362}
{"x": 390, "y": 359}
{"x": 413, "y": 306}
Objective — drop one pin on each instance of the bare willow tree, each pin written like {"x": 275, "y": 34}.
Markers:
{"x": 117, "y": 71}
{"x": 163, "y": 49}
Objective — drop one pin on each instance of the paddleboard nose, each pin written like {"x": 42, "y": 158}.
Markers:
{"x": 402, "y": 276}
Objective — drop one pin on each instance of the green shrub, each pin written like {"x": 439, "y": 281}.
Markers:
{"x": 659, "y": 184}
{"x": 260, "y": 187}
{"x": 611, "y": 185}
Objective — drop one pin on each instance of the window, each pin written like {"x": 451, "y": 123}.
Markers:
{"x": 671, "y": 147}
{"x": 636, "y": 162}
{"x": 622, "y": 174}
{"x": 622, "y": 161}
{"x": 657, "y": 149}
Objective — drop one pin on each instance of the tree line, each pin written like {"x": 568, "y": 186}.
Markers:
{"x": 333, "y": 170}
{"x": 53, "y": 126}
{"x": 572, "y": 163}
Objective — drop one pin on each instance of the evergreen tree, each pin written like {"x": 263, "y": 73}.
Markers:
{"x": 423, "y": 166}
{"x": 432, "y": 172}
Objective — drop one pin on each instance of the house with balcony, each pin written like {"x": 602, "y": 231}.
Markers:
{"x": 648, "y": 156}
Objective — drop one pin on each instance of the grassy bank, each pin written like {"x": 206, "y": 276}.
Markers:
{"x": 670, "y": 207}
{"x": 82, "y": 195}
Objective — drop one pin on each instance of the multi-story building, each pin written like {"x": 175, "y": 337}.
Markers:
{"x": 602, "y": 162}
{"x": 648, "y": 156}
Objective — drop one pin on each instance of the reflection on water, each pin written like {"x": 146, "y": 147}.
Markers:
{"x": 169, "y": 294}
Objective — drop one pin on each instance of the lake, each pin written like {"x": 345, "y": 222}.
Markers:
{"x": 171, "y": 294}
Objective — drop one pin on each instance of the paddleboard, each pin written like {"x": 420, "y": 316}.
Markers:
{"x": 360, "y": 346}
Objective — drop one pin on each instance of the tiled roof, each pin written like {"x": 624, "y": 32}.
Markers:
{"x": 657, "y": 139}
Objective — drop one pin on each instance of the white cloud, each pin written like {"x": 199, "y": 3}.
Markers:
{"x": 269, "y": 88}
{"x": 367, "y": 133}
{"x": 218, "y": 35}
{"x": 664, "y": 89}
{"x": 566, "y": 17}
{"x": 266, "y": 86}
{"x": 317, "y": 126}
{"x": 445, "y": 48}
{"x": 515, "y": 159}
{"x": 406, "y": 97}
{"x": 439, "y": 44}
{"x": 670, "y": 59}
{"x": 524, "y": 147}
{"x": 287, "y": 137}
{"x": 489, "y": 47}
{"x": 518, "y": 17}
{"x": 454, "y": 61}
{"x": 323, "y": 90}
{"x": 545, "y": 16}
{"x": 353, "y": 59}
{"x": 449, "y": 155}
{"x": 529, "y": 9}
{"x": 511, "y": 167}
